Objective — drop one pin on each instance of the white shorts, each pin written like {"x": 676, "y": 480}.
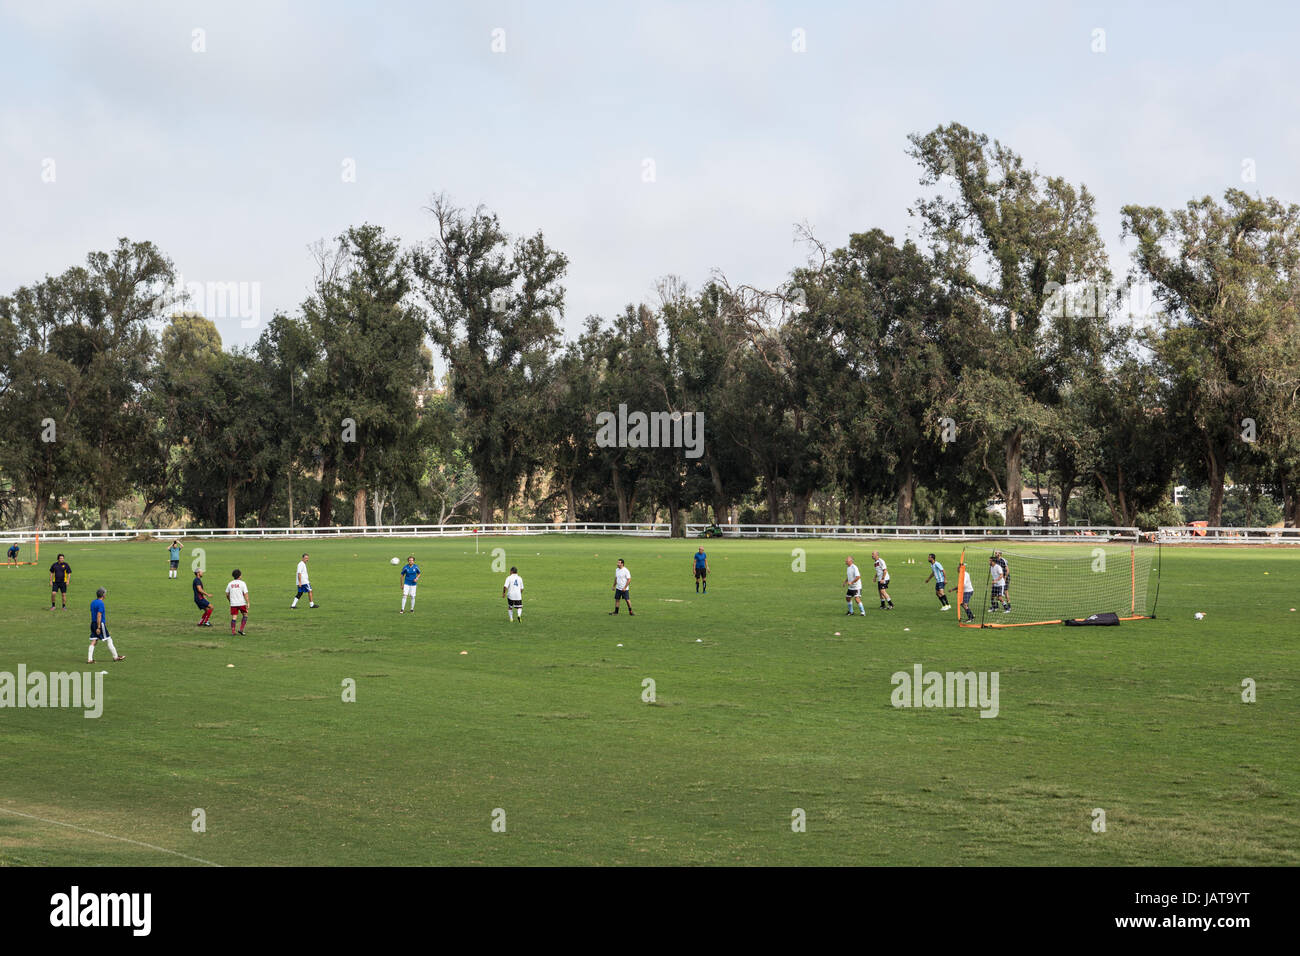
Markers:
{"x": 408, "y": 590}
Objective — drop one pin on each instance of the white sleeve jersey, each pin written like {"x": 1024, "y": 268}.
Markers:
{"x": 882, "y": 572}
{"x": 302, "y": 573}
{"x": 237, "y": 593}
{"x": 997, "y": 573}
{"x": 851, "y": 576}
{"x": 515, "y": 588}
{"x": 622, "y": 576}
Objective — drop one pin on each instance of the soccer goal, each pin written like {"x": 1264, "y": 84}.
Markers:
{"x": 24, "y": 564}
{"x": 1060, "y": 583}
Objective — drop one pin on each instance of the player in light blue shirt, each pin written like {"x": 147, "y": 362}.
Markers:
{"x": 174, "y": 558}
{"x": 940, "y": 579}
{"x": 410, "y": 575}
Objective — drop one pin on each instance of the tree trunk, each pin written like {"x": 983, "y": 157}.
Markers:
{"x": 103, "y": 517}
{"x": 1066, "y": 491}
{"x": 624, "y": 512}
{"x": 485, "y": 509}
{"x": 1015, "y": 485}
{"x": 327, "y": 494}
{"x": 38, "y": 510}
{"x": 359, "y": 508}
{"x": 1215, "y": 468}
{"x": 570, "y": 502}
{"x": 773, "y": 500}
{"x": 230, "y": 501}
{"x": 676, "y": 528}
{"x": 906, "y": 494}
{"x": 857, "y": 505}
{"x": 720, "y": 502}
{"x": 800, "y": 507}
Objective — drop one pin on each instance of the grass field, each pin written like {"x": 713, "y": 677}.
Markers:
{"x": 760, "y": 709}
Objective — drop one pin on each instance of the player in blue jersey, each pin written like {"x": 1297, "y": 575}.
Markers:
{"x": 701, "y": 571}
{"x": 99, "y": 628}
{"x": 410, "y": 575}
{"x": 940, "y": 579}
{"x": 174, "y": 558}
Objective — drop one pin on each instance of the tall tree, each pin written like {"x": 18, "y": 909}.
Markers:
{"x": 495, "y": 306}
{"x": 1007, "y": 237}
{"x": 1226, "y": 275}
{"x": 371, "y": 360}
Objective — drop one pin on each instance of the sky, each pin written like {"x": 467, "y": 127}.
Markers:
{"x": 643, "y": 139}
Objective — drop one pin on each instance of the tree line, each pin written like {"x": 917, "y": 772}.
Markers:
{"x": 906, "y": 381}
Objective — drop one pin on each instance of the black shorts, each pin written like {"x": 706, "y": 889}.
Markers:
{"x": 59, "y": 586}
{"x": 938, "y": 587}
{"x": 176, "y": 564}
{"x": 999, "y": 590}
{"x": 881, "y": 585}
{"x": 701, "y": 573}
{"x": 620, "y": 595}
{"x": 202, "y": 604}
{"x": 853, "y": 592}
{"x": 512, "y": 603}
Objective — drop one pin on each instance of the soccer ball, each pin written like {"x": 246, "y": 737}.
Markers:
{"x": 394, "y": 561}
{"x": 1199, "y": 615}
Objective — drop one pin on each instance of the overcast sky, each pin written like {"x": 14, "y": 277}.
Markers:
{"x": 234, "y": 158}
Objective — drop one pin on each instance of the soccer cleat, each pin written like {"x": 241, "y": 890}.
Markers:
{"x": 207, "y": 623}
{"x": 612, "y": 613}
{"x": 241, "y": 633}
{"x": 401, "y": 612}
{"x": 120, "y": 657}
{"x": 313, "y": 605}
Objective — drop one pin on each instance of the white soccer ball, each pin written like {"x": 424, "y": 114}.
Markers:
{"x": 394, "y": 561}
{"x": 1199, "y": 615}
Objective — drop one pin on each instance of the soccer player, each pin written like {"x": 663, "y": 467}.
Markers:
{"x": 622, "y": 582}
{"x": 201, "y": 597}
{"x": 967, "y": 592}
{"x": 60, "y": 575}
{"x": 99, "y": 628}
{"x": 410, "y": 575}
{"x": 13, "y": 553}
{"x": 174, "y": 557}
{"x": 237, "y": 595}
{"x": 1006, "y": 581}
{"x": 882, "y": 581}
{"x": 998, "y": 591}
{"x": 701, "y": 570}
{"x": 304, "y": 585}
{"x": 853, "y": 582}
{"x": 513, "y": 592}
{"x": 937, "y": 572}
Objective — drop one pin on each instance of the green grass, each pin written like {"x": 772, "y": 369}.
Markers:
{"x": 760, "y": 709}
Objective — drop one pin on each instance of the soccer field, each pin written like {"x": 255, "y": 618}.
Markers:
{"x": 767, "y": 701}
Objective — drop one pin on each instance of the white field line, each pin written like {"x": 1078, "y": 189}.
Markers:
{"x": 108, "y": 836}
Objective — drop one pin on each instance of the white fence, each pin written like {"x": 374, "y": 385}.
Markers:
{"x": 1184, "y": 535}
{"x": 913, "y": 532}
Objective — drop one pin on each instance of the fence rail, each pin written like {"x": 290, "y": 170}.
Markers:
{"x": 659, "y": 530}
{"x": 1185, "y": 535}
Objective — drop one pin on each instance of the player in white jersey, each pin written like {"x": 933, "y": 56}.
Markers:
{"x": 998, "y": 591}
{"x": 513, "y": 592}
{"x": 882, "y": 581}
{"x": 622, "y": 582}
{"x": 237, "y": 595}
{"x": 853, "y": 583}
{"x": 304, "y": 584}
{"x": 967, "y": 592}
